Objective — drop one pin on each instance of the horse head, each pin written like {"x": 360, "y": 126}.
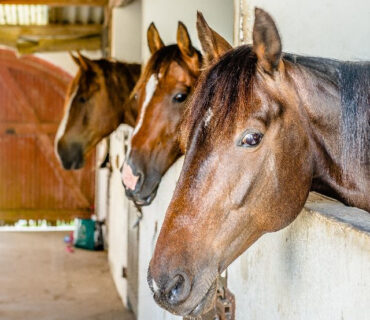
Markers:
{"x": 97, "y": 102}
{"x": 161, "y": 93}
{"x": 242, "y": 176}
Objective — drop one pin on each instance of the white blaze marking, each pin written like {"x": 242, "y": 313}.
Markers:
{"x": 150, "y": 88}
{"x": 63, "y": 123}
{"x": 208, "y": 117}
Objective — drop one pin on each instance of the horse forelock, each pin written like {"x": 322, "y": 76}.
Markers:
{"x": 155, "y": 70}
{"x": 220, "y": 93}
{"x": 160, "y": 62}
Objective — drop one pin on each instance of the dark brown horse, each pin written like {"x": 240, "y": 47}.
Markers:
{"x": 97, "y": 103}
{"x": 261, "y": 131}
{"x": 162, "y": 90}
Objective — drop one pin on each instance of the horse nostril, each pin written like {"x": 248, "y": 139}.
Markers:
{"x": 178, "y": 289}
{"x": 130, "y": 180}
{"x": 71, "y": 155}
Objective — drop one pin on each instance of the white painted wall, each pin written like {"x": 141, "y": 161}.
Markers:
{"x": 126, "y": 46}
{"x": 126, "y": 32}
{"x": 317, "y": 268}
{"x": 63, "y": 59}
{"x": 329, "y": 28}
{"x": 149, "y": 230}
{"x": 289, "y": 274}
{"x": 101, "y": 185}
{"x": 117, "y": 216}
{"x": 166, "y": 14}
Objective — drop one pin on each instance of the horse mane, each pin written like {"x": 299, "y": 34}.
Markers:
{"x": 353, "y": 82}
{"x": 231, "y": 79}
{"x": 322, "y": 67}
{"x": 130, "y": 72}
{"x": 220, "y": 87}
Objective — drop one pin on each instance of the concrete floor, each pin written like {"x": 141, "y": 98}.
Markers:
{"x": 40, "y": 280}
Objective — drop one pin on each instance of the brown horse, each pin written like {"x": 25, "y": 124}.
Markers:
{"x": 261, "y": 131}
{"x": 97, "y": 103}
{"x": 162, "y": 90}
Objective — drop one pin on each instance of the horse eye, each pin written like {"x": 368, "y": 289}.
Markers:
{"x": 250, "y": 139}
{"x": 180, "y": 97}
{"x": 82, "y": 99}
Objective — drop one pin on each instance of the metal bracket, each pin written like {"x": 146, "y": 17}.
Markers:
{"x": 225, "y": 305}
{"x": 224, "y": 308}
{"x": 139, "y": 214}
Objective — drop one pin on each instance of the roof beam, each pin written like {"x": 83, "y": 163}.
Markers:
{"x": 53, "y": 45}
{"x": 49, "y": 30}
{"x": 31, "y": 39}
{"x": 59, "y": 3}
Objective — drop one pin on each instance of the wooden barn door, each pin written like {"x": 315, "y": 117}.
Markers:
{"x": 33, "y": 184}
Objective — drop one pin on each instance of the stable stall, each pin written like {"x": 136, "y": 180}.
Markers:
{"x": 317, "y": 267}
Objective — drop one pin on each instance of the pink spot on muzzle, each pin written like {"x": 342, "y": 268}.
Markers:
{"x": 128, "y": 177}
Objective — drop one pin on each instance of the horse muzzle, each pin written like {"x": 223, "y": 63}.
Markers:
{"x": 176, "y": 295}
{"x": 71, "y": 155}
{"x": 138, "y": 188}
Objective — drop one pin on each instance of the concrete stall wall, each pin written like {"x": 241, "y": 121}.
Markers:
{"x": 318, "y": 267}
{"x": 166, "y": 14}
{"x": 126, "y": 46}
{"x": 291, "y": 274}
{"x": 324, "y": 28}
{"x": 117, "y": 213}
{"x": 129, "y": 43}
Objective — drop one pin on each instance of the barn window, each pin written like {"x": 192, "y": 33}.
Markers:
{"x": 39, "y": 26}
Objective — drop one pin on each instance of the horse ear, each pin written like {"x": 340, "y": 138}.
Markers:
{"x": 154, "y": 40}
{"x": 213, "y": 45}
{"x": 266, "y": 41}
{"x": 84, "y": 61}
{"x": 184, "y": 41}
{"x": 74, "y": 58}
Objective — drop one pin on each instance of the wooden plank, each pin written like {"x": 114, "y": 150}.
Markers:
{"x": 119, "y": 3}
{"x": 47, "y": 146}
{"x": 53, "y": 45}
{"x": 40, "y": 214}
{"x": 27, "y": 128}
{"x": 8, "y": 39}
{"x": 58, "y": 2}
{"x": 54, "y": 30}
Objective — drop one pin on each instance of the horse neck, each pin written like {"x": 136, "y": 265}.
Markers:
{"x": 321, "y": 111}
{"x": 123, "y": 78}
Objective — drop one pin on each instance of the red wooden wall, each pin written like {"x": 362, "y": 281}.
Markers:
{"x": 33, "y": 184}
